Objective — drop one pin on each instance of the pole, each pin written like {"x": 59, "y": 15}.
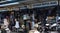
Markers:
{"x": 57, "y": 15}
{"x": 58, "y": 8}
{"x": 33, "y": 18}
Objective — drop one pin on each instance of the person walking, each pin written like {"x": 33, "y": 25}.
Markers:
{"x": 12, "y": 21}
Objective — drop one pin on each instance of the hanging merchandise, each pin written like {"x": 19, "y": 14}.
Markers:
{"x": 17, "y": 24}
{"x": 26, "y": 16}
{"x": 33, "y": 23}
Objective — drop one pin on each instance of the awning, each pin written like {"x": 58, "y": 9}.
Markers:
{"x": 45, "y": 4}
{"x": 7, "y": 3}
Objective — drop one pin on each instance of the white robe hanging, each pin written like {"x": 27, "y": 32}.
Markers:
{"x": 17, "y": 24}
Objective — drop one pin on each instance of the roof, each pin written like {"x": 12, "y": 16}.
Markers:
{"x": 13, "y": 2}
{"x": 22, "y": 3}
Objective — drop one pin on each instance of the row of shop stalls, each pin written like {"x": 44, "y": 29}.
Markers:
{"x": 44, "y": 16}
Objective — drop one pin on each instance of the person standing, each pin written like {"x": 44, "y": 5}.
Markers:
{"x": 12, "y": 21}
{"x": 17, "y": 26}
{"x": 26, "y": 19}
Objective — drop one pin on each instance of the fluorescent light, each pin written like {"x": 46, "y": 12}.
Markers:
{"x": 2, "y": 10}
{"x": 8, "y": 0}
{"x": 9, "y": 4}
{"x": 2, "y": 1}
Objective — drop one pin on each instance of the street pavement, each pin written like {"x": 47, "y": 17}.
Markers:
{"x": 54, "y": 32}
{"x": 51, "y": 32}
{"x": 42, "y": 32}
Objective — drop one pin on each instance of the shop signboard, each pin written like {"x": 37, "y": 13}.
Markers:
{"x": 23, "y": 7}
{"x": 44, "y": 4}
